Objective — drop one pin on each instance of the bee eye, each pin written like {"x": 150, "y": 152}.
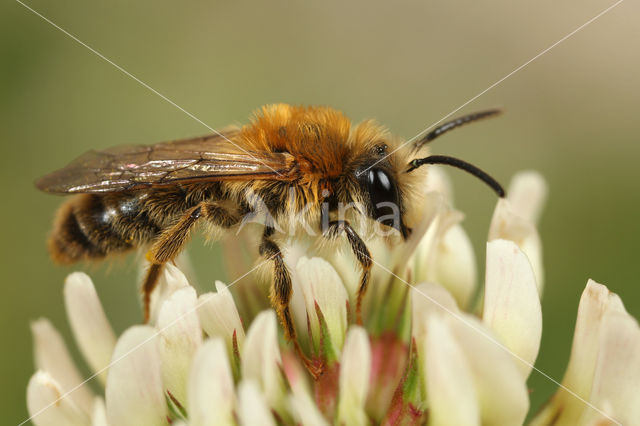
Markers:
{"x": 384, "y": 195}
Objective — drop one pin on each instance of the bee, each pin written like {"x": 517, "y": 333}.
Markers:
{"x": 152, "y": 196}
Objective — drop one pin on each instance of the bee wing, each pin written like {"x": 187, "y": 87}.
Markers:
{"x": 202, "y": 159}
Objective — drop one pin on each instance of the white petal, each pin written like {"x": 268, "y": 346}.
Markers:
{"x": 596, "y": 300}
{"x": 418, "y": 248}
{"x": 46, "y": 405}
{"x": 445, "y": 256}
{"x": 590, "y": 362}
{"x": 261, "y": 360}
{"x": 89, "y": 324}
{"x": 527, "y": 194}
{"x": 134, "y": 391}
{"x": 347, "y": 268}
{"x": 493, "y": 370}
{"x": 99, "y": 415}
{"x": 293, "y": 251}
{"x": 355, "y": 369}
{"x": 253, "y": 409}
{"x": 450, "y": 390}
{"x": 506, "y": 224}
{"x": 180, "y": 337}
{"x": 51, "y": 355}
{"x": 616, "y": 383}
{"x": 532, "y": 247}
{"x": 511, "y": 303}
{"x": 381, "y": 286}
{"x": 172, "y": 279}
{"x": 321, "y": 284}
{"x": 219, "y": 316}
{"x": 602, "y": 321}
{"x": 501, "y": 389}
{"x": 455, "y": 265}
{"x": 428, "y": 299}
{"x": 210, "y": 394}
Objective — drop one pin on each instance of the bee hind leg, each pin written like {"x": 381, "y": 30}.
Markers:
{"x": 361, "y": 253}
{"x": 172, "y": 241}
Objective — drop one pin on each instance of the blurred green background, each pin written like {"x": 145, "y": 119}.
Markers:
{"x": 571, "y": 114}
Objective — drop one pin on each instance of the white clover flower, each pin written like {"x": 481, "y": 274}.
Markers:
{"x": 211, "y": 397}
{"x": 602, "y": 381}
{"x": 355, "y": 366}
{"x": 445, "y": 254}
{"x": 511, "y": 304}
{"x": 421, "y": 357}
{"x": 326, "y": 301}
{"x": 515, "y": 218}
{"x": 134, "y": 393}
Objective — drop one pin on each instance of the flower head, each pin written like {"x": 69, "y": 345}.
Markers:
{"x": 425, "y": 353}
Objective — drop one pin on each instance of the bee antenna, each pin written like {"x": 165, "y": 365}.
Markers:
{"x": 462, "y": 165}
{"x": 450, "y": 125}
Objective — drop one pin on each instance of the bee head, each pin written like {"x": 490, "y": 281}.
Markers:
{"x": 380, "y": 190}
{"x": 379, "y": 181}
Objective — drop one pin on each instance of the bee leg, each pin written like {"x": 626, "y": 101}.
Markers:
{"x": 281, "y": 295}
{"x": 362, "y": 254}
{"x": 150, "y": 281}
{"x": 171, "y": 242}
{"x": 281, "y": 286}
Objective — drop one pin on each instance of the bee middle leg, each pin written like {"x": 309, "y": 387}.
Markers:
{"x": 172, "y": 241}
{"x": 281, "y": 286}
{"x": 281, "y": 291}
{"x": 362, "y": 254}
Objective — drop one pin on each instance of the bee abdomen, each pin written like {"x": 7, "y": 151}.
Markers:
{"x": 91, "y": 227}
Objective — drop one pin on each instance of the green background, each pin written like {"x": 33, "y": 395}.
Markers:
{"x": 572, "y": 114}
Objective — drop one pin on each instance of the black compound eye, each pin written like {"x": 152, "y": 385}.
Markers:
{"x": 384, "y": 195}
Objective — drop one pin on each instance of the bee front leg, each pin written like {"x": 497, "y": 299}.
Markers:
{"x": 362, "y": 254}
{"x": 172, "y": 241}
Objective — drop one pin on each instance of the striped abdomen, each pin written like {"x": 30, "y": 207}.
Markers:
{"x": 93, "y": 226}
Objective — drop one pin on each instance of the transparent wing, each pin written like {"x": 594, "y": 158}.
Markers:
{"x": 201, "y": 159}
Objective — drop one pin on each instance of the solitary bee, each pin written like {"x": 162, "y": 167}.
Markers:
{"x": 152, "y": 196}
